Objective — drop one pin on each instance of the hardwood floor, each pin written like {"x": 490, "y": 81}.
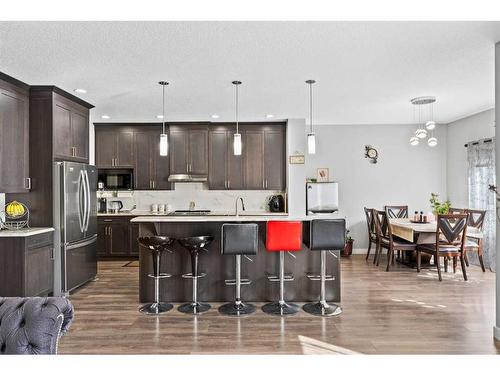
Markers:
{"x": 397, "y": 312}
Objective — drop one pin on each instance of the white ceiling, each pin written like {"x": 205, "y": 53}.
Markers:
{"x": 366, "y": 72}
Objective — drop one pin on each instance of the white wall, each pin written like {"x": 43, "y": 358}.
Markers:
{"x": 403, "y": 175}
{"x": 460, "y": 132}
{"x": 2, "y": 205}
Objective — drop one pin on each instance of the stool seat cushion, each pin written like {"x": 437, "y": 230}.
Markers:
{"x": 196, "y": 243}
{"x": 239, "y": 239}
{"x": 327, "y": 234}
{"x": 156, "y": 243}
{"x": 284, "y": 236}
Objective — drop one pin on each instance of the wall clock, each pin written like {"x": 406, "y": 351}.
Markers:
{"x": 371, "y": 153}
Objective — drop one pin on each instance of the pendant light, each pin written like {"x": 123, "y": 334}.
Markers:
{"x": 163, "y": 135}
{"x": 311, "y": 137}
{"x": 237, "y": 135}
{"x": 425, "y": 128}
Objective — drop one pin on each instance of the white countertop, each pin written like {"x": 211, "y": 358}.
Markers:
{"x": 211, "y": 214}
{"x": 25, "y": 232}
{"x": 231, "y": 218}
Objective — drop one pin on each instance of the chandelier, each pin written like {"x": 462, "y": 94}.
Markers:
{"x": 423, "y": 114}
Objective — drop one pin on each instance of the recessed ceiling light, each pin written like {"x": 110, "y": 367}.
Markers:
{"x": 269, "y": 116}
{"x": 159, "y": 116}
{"x": 81, "y": 91}
{"x": 105, "y": 117}
{"x": 215, "y": 116}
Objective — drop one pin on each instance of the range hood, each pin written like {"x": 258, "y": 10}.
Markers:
{"x": 187, "y": 178}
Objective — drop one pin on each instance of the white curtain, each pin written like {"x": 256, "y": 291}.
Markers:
{"x": 481, "y": 172}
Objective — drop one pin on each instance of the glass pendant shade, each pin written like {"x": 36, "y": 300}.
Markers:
{"x": 421, "y": 133}
{"x": 432, "y": 142}
{"x": 430, "y": 125}
{"x": 163, "y": 145}
{"x": 237, "y": 144}
{"x": 414, "y": 141}
{"x": 311, "y": 143}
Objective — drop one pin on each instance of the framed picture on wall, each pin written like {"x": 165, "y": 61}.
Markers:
{"x": 323, "y": 175}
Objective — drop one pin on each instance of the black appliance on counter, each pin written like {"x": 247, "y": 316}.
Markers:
{"x": 276, "y": 203}
{"x": 102, "y": 205}
{"x": 116, "y": 178}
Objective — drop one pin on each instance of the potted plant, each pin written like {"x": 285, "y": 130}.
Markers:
{"x": 347, "y": 251}
{"x": 439, "y": 208}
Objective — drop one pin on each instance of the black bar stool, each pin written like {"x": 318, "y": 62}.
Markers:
{"x": 195, "y": 245}
{"x": 238, "y": 240}
{"x": 324, "y": 235}
{"x": 158, "y": 245}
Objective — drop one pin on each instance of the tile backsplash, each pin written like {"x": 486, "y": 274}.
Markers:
{"x": 215, "y": 200}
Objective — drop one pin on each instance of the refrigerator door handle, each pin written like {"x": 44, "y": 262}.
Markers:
{"x": 91, "y": 240}
{"x": 81, "y": 217}
{"x": 87, "y": 200}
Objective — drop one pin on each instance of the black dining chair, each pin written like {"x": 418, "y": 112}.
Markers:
{"x": 372, "y": 235}
{"x": 473, "y": 243}
{"x": 386, "y": 239}
{"x": 450, "y": 242}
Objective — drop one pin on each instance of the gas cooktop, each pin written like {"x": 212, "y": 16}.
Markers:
{"x": 189, "y": 213}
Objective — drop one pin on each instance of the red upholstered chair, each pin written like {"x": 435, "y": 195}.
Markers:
{"x": 282, "y": 236}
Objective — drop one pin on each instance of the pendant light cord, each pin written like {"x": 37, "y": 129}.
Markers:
{"x": 237, "y": 112}
{"x": 163, "y": 127}
{"x": 311, "y": 107}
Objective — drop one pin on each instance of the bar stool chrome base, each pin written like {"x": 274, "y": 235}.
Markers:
{"x": 237, "y": 309}
{"x": 194, "y": 308}
{"x": 277, "y": 308}
{"x": 156, "y": 308}
{"x": 322, "y": 309}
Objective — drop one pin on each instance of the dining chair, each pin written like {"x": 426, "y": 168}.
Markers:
{"x": 386, "y": 239}
{"x": 475, "y": 243}
{"x": 450, "y": 242}
{"x": 396, "y": 212}
{"x": 372, "y": 235}
{"x": 455, "y": 211}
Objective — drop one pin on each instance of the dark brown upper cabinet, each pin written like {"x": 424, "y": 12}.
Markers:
{"x": 225, "y": 168}
{"x": 114, "y": 147}
{"x": 66, "y": 118}
{"x": 151, "y": 170}
{"x": 264, "y": 157}
{"x": 71, "y": 130}
{"x": 188, "y": 149}
{"x": 14, "y": 135}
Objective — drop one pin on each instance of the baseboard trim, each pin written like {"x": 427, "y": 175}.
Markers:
{"x": 496, "y": 333}
{"x": 360, "y": 251}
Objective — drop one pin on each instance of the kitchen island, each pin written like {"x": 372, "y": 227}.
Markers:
{"x": 218, "y": 267}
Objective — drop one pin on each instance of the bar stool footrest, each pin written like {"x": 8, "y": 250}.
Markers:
{"x": 160, "y": 276}
{"x": 190, "y": 275}
{"x": 274, "y": 278}
{"x": 314, "y": 277}
{"x": 233, "y": 282}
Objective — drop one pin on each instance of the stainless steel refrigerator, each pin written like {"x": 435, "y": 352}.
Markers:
{"x": 75, "y": 222}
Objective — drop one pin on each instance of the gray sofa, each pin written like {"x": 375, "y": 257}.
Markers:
{"x": 33, "y": 325}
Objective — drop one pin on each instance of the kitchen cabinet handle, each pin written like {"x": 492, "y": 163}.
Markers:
{"x": 52, "y": 253}
{"x": 266, "y": 184}
{"x": 225, "y": 184}
{"x": 27, "y": 184}
{"x": 154, "y": 184}
{"x": 108, "y": 220}
{"x": 228, "y": 184}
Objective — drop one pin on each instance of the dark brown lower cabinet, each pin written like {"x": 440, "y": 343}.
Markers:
{"x": 27, "y": 265}
{"x": 116, "y": 237}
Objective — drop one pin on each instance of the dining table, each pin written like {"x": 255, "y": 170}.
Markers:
{"x": 421, "y": 233}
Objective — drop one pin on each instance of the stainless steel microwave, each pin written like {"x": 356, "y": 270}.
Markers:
{"x": 116, "y": 179}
